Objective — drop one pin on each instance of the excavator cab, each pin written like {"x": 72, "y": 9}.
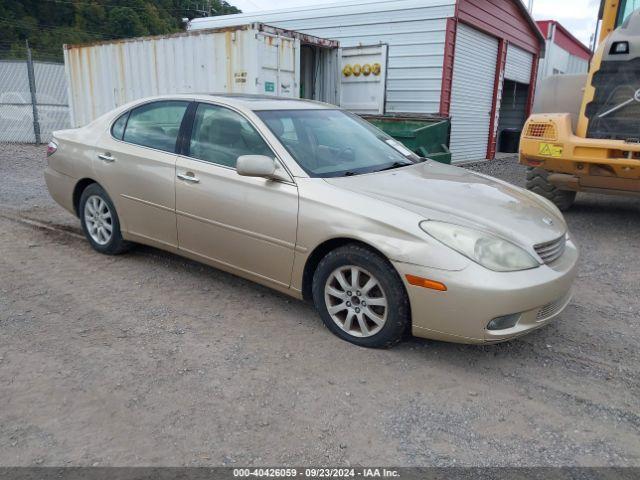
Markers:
{"x": 593, "y": 145}
{"x": 612, "y": 110}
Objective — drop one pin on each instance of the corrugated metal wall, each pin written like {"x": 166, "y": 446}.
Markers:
{"x": 413, "y": 29}
{"x": 472, "y": 93}
{"x": 559, "y": 60}
{"x": 107, "y": 75}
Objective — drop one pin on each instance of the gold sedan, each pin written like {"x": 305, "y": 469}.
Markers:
{"x": 311, "y": 200}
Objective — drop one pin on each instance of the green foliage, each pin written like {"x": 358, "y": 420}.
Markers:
{"x": 48, "y": 24}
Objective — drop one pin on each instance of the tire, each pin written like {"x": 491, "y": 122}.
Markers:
{"x": 537, "y": 182}
{"x": 371, "y": 324}
{"x": 97, "y": 216}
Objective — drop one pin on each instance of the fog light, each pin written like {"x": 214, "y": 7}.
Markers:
{"x": 502, "y": 323}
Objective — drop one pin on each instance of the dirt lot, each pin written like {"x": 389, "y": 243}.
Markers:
{"x": 150, "y": 359}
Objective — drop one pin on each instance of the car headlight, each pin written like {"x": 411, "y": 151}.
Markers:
{"x": 491, "y": 252}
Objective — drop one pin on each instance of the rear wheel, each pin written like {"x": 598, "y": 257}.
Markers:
{"x": 360, "y": 297}
{"x": 538, "y": 182}
{"x": 100, "y": 221}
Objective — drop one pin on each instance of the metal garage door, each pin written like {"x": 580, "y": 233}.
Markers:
{"x": 474, "y": 71}
{"x": 519, "y": 63}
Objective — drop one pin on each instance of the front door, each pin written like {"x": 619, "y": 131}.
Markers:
{"x": 241, "y": 223}
{"x": 135, "y": 163}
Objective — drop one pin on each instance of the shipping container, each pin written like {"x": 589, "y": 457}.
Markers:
{"x": 246, "y": 59}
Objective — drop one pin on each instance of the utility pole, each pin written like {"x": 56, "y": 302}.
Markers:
{"x": 32, "y": 89}
{"x": 531, "y": 7}
{"x": 206, "y": 10}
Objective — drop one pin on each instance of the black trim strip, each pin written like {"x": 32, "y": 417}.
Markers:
{"x": 124, "y": 129}
{"x": 186, "y": 127}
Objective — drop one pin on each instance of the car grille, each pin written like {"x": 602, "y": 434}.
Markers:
{"x": 552, "y": 308}
{"x": 549, "y": 252}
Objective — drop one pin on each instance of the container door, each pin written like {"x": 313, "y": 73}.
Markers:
{"x": 279, "y": 59}
{"x": 363, "y": 73}
{"x": 472, "y": 93}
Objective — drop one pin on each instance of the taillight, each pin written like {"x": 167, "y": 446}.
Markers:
{"x": 51, "y": 148}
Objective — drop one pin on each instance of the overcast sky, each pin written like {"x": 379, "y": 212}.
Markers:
{"x": 579, "y": 16}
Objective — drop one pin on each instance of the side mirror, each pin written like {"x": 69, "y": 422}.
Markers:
{"x": 261, "y": 166}
{"x": 256, "y": 166}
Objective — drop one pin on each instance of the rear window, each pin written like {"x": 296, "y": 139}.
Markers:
{"x": 117, "y": 130}
{"x": 155, "y": 125}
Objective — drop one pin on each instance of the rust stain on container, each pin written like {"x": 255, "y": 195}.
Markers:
{"x": 155, "y": 65}
{"x": 120, "y": 54}
{"x": 89, "y": 69}
{"x": 226, "y": 59}
{"x": 229, "y": 52}
{"x": 190, "y": 33}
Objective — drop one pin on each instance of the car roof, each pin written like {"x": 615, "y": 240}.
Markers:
{"x": 269, "y": 102}
{"x": 252, "y": 102}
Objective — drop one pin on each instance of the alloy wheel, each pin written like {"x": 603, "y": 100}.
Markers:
{"x": 98, "y": 219}
{"x": 356, "y": 301}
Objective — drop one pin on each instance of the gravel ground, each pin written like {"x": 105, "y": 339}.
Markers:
{"x": 150, "y": 359}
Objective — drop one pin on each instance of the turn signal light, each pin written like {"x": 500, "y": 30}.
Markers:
{"x": 426, "y": 283}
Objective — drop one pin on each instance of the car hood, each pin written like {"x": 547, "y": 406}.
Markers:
{"x": 457, "y": 195}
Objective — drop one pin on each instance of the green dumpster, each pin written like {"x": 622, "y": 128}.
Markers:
{"x": 426, "y": 136}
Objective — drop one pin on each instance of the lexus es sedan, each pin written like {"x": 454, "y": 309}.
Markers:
{"x": 315, "y": 202}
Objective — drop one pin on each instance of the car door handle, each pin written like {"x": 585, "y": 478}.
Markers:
{"x": 106, "y": 157}
{"x": 188, "y": 178}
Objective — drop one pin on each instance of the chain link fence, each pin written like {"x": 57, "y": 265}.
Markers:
{"x": 33, "y": 100}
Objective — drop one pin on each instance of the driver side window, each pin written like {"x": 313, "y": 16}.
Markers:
{"x": 220, "y": 136}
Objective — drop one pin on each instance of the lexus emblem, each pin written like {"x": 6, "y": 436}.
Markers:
{"x": 548, "y": 221}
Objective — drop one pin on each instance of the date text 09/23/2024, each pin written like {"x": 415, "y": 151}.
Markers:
{"x": 315, "y": 472}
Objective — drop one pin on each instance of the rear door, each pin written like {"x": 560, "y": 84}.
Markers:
{"x": 363, "y": 78}
{"x": 135, "y": 163}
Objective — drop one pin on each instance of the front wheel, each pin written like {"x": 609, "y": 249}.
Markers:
{"x": 538, "y": 182}
{"x": 361, "y": 298}
{"x": 100, "y": 221}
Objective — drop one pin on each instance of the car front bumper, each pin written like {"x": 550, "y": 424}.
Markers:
{"x": 476, "y": 295}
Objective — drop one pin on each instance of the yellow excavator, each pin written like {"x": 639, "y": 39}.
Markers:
{"x": 594, "y": 145}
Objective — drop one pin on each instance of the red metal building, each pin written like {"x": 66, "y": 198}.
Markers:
{"x": 565, "y": 54}
{"x": 480, "y": 30}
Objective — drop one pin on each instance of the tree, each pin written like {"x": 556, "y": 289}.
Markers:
{"x": 48, "y": 24}
{"x": 124, "y": 22}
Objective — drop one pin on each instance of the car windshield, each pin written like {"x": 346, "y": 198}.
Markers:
{"x": 334, "y": 143}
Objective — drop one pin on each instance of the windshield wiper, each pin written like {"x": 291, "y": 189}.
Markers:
{"x": 395, "y": 165}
